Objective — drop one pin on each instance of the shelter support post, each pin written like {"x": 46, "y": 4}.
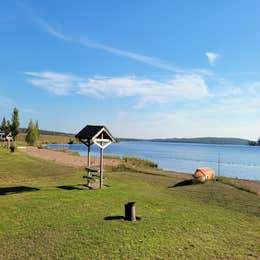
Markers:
{"x": 88, "y": 155}
{"x": 101, "y": 168}
{"x": 88, "y": 159}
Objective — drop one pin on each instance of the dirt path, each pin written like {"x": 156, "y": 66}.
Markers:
{"x": 64, "y": 158}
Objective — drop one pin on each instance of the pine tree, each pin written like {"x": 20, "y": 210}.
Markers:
{"x": 8, "y": 127}
{"x": 3, "y": 125}
{"x": 30, "y": 134}
{"x": 37, "y": 130}
{"x": 15, "y": 123}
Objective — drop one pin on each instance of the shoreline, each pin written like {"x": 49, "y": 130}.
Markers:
{"x": 188, "y": 162}
{"x": 67, "y": 159}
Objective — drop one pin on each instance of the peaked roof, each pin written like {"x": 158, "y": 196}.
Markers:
{"x": 91, "y": 132}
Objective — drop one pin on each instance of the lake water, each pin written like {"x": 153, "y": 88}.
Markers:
{"x": 239, "y": 161}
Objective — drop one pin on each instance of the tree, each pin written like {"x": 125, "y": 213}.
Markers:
{"x": 15, "y": 123}
{"x": 3, "y": 125}
{"x": 8, "y": 127}
{"x": 31, "y": 137}
{"x": 32, "y": 133}
{"x": 37, "y": 130}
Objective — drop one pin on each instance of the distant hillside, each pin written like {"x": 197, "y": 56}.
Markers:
{"x": 202, "y": 140}
{"x": 48, "y": 132}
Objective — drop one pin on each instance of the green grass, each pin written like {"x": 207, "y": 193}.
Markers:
{"x": 204, "y": 221}
{"x": 112, "y": 156}
{"x": 138, "y": 162}
{"x": 132, "y": 162}
{"x": 233, "y": 183}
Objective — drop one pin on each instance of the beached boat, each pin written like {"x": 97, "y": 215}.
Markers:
{"x": 204, "y": 174}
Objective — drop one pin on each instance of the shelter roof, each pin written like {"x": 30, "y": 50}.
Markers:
{"x": 91, "y": 132}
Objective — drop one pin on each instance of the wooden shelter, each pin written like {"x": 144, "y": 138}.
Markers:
{"x": 99, "y": 135}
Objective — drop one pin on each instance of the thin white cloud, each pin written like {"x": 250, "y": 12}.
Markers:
{"x": 56, "y": 83}
{"x": 212, "y": 57}
{"x": 50, "y": 29}
{"x": 149, "y": 60}
{"x": 155, "y": 62}
{"x": 179, "y": 87}
{"x": 47, "y": 27}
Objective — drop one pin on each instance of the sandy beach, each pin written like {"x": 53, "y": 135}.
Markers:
{"x": 65, "y": 158}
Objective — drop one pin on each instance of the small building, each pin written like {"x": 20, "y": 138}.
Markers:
{"x": 4, "y": 137}
{"x": 9, "y": 137}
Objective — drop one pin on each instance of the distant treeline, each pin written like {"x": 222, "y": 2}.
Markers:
{"x": 202, "y": 140}
{"x": 48, "y": 132}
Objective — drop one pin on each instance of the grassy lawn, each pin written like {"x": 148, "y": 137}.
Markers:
{"x": 44, "y": 214}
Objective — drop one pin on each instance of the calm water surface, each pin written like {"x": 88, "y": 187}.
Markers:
{"x": 235, "y": 160}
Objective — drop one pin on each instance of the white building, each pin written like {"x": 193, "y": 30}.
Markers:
{"x": 4, "y": 137}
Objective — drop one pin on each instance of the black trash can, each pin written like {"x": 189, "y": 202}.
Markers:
{"x": 130, "y": 211}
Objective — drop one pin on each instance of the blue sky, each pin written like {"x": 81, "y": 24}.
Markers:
{"x": 143, "y": 68}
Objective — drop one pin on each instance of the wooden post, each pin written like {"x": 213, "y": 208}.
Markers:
{"x": 88, "y": 155}
{"x": 101, "y": 163}
{"x": 218, "y": 164}
{"x": 101, "y": 168}
{"x": 130, "y": 211}
{"x": 88, "y": 159}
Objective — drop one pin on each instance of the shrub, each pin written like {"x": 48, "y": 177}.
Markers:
{"x": 71, "y": 141}
{"x": 139, "y": 162}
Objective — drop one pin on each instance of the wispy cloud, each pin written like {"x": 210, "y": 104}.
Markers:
{"x": 149, "y": 60}
{"x": 43, "y": 24}
{"x": 212, "y": 57}
{"x": 56, "y": 83}
{"x": 155, "y": 62}
{"x": 187, "y": 87}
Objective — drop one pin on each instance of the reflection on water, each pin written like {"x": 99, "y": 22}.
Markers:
{"x": 235, "y": 160}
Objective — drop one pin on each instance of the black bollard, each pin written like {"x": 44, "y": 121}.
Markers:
{"x": 130, "y": 211}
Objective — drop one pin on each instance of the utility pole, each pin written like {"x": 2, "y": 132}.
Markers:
{"x": 218, "y": 164}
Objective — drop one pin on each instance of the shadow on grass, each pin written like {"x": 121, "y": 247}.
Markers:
{"x": 114, "y": 217}
{"x": 67, "y": 187}
{"x": 183, "y": 183}
{"x": 118, "y": 218}
{"x": 81, "y": 187}
{"x": 16, "y": 189}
